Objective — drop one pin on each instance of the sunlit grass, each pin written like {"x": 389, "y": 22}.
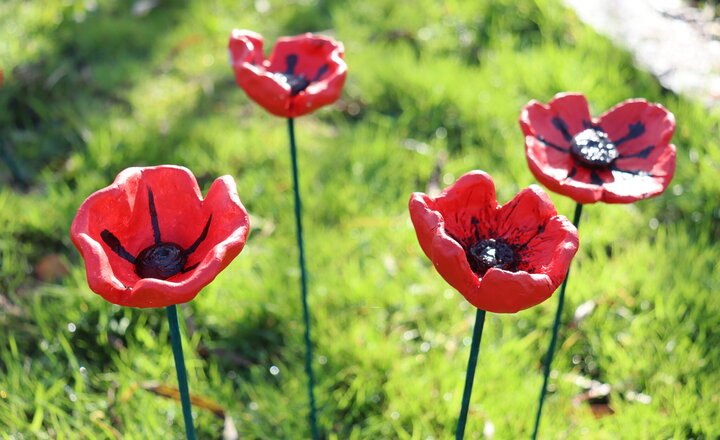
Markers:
{"x": 434, "y": 90}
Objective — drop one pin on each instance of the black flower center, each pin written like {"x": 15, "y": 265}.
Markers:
{"x": 300, "y": 82}
{"x": 593, "y": 148}
{"x": 297, "y": 83}
{"x": 160, "y": 261}
{"x": 489, "y": 253}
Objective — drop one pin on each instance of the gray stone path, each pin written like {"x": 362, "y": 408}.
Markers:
{"x": 680, "y": 45}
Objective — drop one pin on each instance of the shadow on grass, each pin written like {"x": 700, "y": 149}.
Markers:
{"x": 84, "y": 71}
{"x": 258, "y": 339}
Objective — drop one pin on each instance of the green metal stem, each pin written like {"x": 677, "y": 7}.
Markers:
{"x": 303, "y": 283}
{"x": 553, "y": 338}
{"x": 470, "y": 373}
{"x": 180, "y": 370}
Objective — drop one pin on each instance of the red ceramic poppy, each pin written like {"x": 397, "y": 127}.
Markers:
{"x": 150, "y": 240}
{"x": 623, "y": 156}
{"x": 302, "y": 74}
{"x": 502, "y": 258}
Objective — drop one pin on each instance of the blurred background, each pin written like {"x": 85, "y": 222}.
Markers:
{"x": 434, "y": 90}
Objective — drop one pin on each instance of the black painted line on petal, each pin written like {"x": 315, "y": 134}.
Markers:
{"x": 188, "y": 269}
{"x": 642, "y": 154}
{"x": 320, "y": 72}
{"x": 589, "y": 124}
{"x": 551, "y": 145}
{"x": 595, "y": 178}
{"x": 475, "y": 223}
{"x": 291, "y": 62}
{"x": 522, "y": 247}
{"x": 200, "y": 239}
{"x": 153, "y": 217}
{"x": 115, "y": 245}
{"x": 560, "y": 124}
{"x": 635, "y": 130}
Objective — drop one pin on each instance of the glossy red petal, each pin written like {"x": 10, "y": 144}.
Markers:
{"x": 551, "y": 251}
{"x": 524, "y": 216}
{"x": 551, "y": 163}
{"x": 553, "y": 169}
{"x": 629, "y": 188}
{"x": 123, "y": 209}
{"x": 471, "y": 196}
{"x": 536, "y": 121}
{"x": 510, "y": 292}
{"x": 540, "y": 120}
{"x": 100, "y": 273}
{"x": 573, "y": 109}
{"x": 252, "y": 75}
{"x": 655, "y": 160}
{"x": 312, "y": 51}
{"x": 446, "y": 254}
{"x": 658, "y": 123}
{"x": 245, "y": 47}
{"x": 265, "y": 89}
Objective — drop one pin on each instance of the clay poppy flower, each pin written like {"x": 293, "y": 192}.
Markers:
{"x": 302, "y": 74}
{"x": 150, "y": 240}
{"x": 623, "y": 156}
{"x": 502, "y": 258}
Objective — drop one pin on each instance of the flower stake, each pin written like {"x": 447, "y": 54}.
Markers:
{"x": 553, "y": 337}
{"x": 150, "y": 240}
{"x": 470, "y": 372}
{"x": 623, "y": 156}
{"x": 302, "y": 74}
{"x": 501, "y": 258}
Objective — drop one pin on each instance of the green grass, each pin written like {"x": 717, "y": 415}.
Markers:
{"x": 91, "y": 89}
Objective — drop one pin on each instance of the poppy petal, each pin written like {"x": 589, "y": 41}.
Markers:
{"x": 573, "y": 110}
{"x": 536, "y": 120}
{"x": 630, "y": 187}
{"x": 310, "y": 52}
{"x": 566, "y": 115}
{"x": 264, "y": 88}
{"x": 523, "y": 217}
{"x": 446, "y": 254}
{"x": 472, "y": 196}
{"x": 245, "y": 47}
{"x": 635, "y": 124}
{"x": 510, "y": 292}
{"x": 552, "y": 251}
